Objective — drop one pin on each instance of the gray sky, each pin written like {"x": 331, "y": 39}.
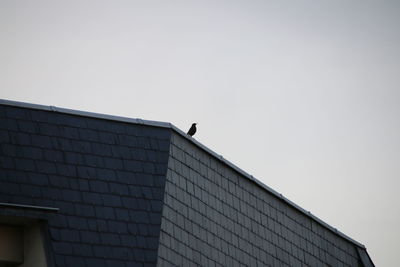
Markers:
{"x": 304, "y": 95}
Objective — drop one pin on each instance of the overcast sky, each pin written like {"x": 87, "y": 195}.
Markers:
{"x": 303, "y": 95}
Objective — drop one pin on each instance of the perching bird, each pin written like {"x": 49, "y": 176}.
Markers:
{"x": 192, "y": 130}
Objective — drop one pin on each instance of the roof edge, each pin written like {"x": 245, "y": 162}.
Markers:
{"x": 85, "y": 113}
{"x": 269, "y": 189}
{"x": 29, "y": 207}
{"x": 195, "y": 142}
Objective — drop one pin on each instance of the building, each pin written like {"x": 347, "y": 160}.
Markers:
{"x": 85, "y": 189}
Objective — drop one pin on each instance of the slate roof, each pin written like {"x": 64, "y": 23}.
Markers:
{"x": 133, "y": 192}
{"x": 214, "y": 216}
{"x": 107, "y": 179}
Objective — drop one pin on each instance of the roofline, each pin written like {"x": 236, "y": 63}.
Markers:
{"x": 84, "y": 113}
{"x": 195, "y": 142}
{"x": 29, "y": 207}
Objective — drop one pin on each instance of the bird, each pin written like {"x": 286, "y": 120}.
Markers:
{"x": 192, "y": 130}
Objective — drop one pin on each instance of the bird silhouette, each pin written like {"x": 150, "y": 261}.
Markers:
{"x": 192, "y": 130}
